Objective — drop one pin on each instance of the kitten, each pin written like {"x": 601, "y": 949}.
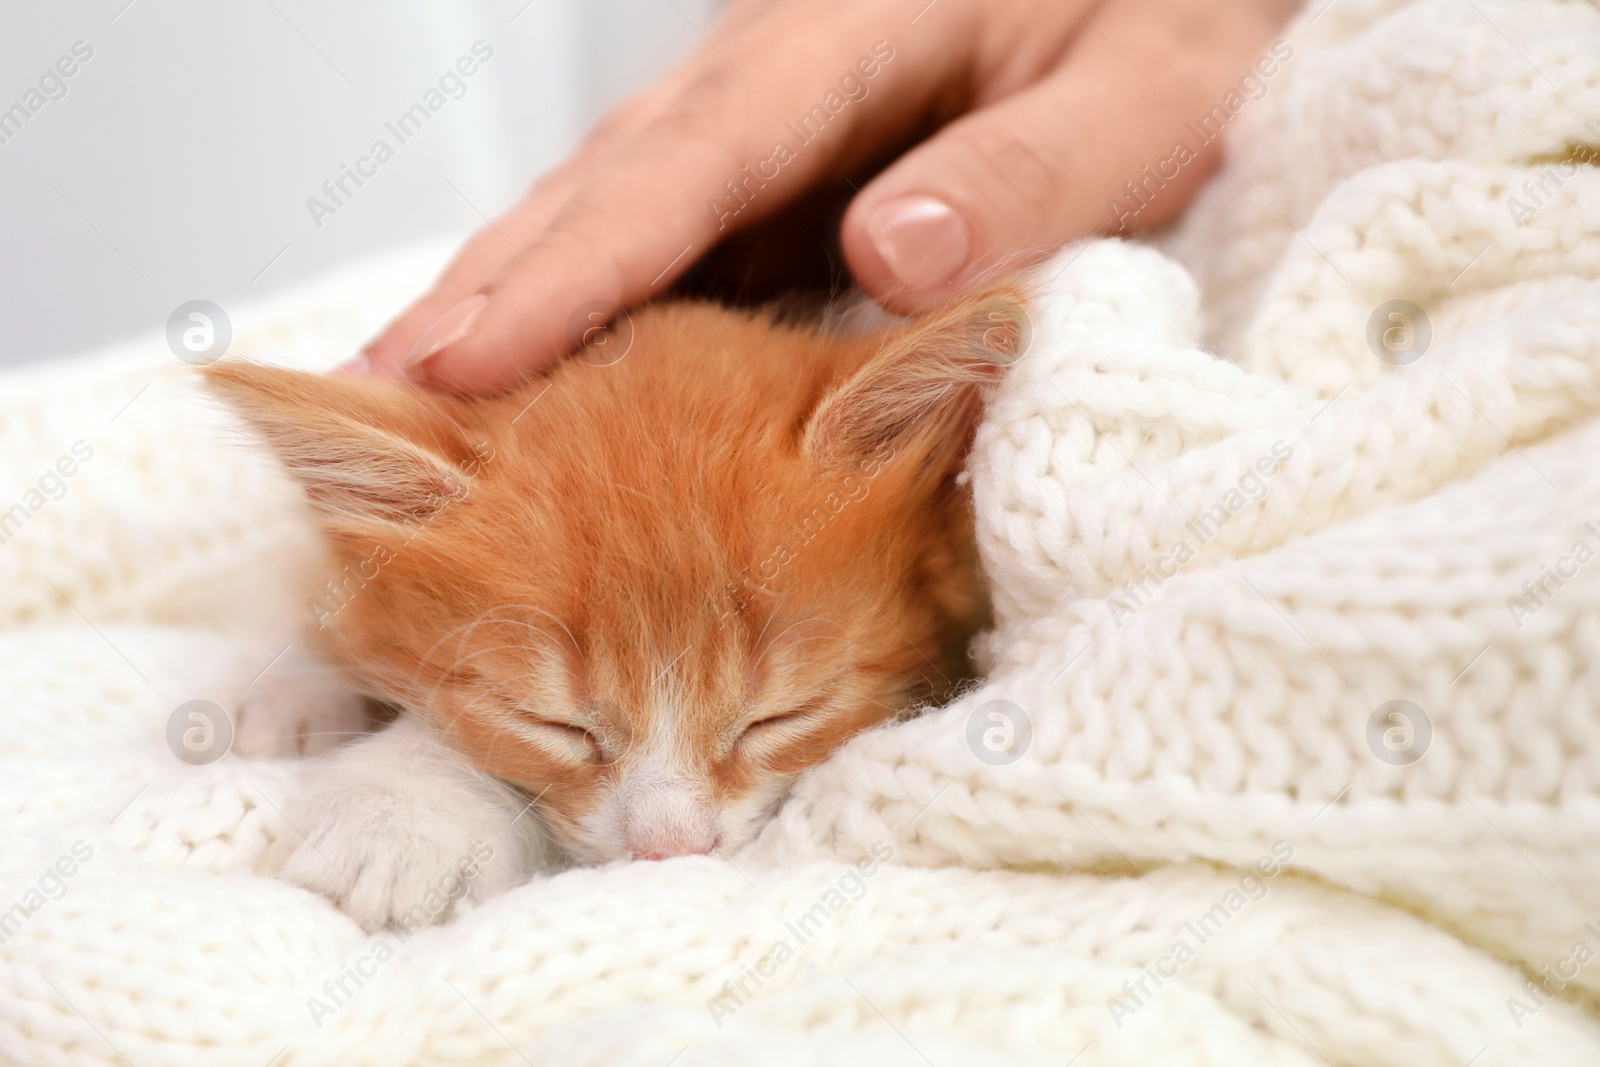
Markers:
{"x": 642, "y": 595}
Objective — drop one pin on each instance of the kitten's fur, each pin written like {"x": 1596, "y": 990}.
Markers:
{"x": 648, "y": 594}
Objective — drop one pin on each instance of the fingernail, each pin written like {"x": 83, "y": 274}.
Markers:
{"x": 360, "y": 363}
{"x": 922, "y": 239}
{"x": 447, "y": 329}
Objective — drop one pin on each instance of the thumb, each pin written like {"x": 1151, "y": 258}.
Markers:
{"x": 1003, "y": 186}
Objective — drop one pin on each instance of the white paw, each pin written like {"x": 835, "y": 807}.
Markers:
{"x": 300, "y": 706}
{"x": 397, "y": 833}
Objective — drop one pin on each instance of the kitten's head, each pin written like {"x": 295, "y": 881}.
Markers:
{"x": 652, "y": 592}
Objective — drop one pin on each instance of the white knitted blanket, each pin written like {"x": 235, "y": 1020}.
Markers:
{"x": 1213, "y": 838}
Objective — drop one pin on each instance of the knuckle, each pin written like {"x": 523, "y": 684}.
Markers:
{"x": 704, "y": 104}
{"x": 1012, "y": 162}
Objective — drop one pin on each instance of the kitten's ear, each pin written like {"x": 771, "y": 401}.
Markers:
{"x": 922, "y": 391}
{"x": 364, "y": 448}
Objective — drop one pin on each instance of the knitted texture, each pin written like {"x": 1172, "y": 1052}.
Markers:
{"x": 1212, "y": 841}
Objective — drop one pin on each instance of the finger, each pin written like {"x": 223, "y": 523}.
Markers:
{"x": 720, "y": 158}
{"x": 487, "y": 251}
{"x": 610, "y": 246}
{"x": 1006, "y": 184}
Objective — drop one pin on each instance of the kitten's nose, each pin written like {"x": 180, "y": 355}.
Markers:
{"x": 664, "y": 846}
{"x": 663, "y": 821}
{"x": 668, "y": 851}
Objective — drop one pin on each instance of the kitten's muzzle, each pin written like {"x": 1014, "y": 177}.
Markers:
{"x": 666, "y": 819}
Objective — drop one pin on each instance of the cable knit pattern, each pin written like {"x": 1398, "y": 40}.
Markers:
{"x": 1210, "y": 572}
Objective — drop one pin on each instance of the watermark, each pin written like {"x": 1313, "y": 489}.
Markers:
{"x": 450, "y": 86}
{"x": 1253, "y": 487}
{"x": 1252, "y": 888}
{"x": 199, "y": 732}
{"x": 1539, "y": 591}
{"x": 1001, "y": 331}
{"x": 999, "y": 732}
{"x": 1142, "y": 192}
{"x": 338, "y": 592}
{"x": 851, "y": 488}
{"x": 600, "y": 332}
{"x": 1399, "y": 332}
{"x": 1399, "y": 733}
{"x": 51, "y": 485}
{"x": 199, "y": 332}
{"x": 1552, "y": 179}
{"x": 51, "y": 885}
{"x": 337, "y": 991}
{"x": 51, "y": 86}
{"x": 849, "y": 887}
{"x": 1550, "y": 984}
{"x": 853, "y": 87}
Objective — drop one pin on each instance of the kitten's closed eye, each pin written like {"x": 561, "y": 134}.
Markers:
{"x": 798, "y": 717}
{"x": 793, "y": 721}
{"x": 575, "y": 742}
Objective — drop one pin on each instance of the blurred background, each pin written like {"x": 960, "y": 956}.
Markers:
{"x": 176, "y": 162}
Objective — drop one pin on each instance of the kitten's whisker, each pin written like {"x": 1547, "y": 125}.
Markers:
{"x": 514, "y": 621}
{"x": 762, "y": 650}
{"x": 470, "y": 624}
{"x": 464, "y": 630}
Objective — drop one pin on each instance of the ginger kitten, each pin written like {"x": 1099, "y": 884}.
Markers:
{"x": 645, "y": 594}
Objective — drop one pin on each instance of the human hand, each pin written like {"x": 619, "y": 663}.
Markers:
{"x": 1043, "y": 110}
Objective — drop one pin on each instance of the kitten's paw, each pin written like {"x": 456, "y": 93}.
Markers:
{"x": 403, "y": 839}
{"x": 300, "y": 706}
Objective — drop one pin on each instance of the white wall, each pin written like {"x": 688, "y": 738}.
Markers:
{"x": 179, "y": 161}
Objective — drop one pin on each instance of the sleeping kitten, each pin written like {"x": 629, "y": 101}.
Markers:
{"x": 641, "y": 596}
